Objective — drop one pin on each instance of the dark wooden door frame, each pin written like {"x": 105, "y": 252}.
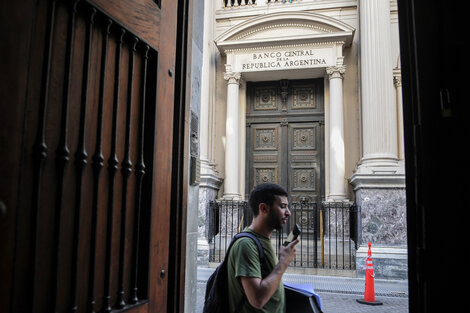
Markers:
{"x": 20, "y": 20}
{"x": 180, "y": 177}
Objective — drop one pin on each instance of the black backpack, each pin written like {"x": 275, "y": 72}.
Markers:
{"x": 216, "y": 299}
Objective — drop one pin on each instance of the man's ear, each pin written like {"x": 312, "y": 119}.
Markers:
{"x": 263, "y": 208}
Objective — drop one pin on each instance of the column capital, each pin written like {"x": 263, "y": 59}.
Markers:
{"x": 232, "y": 77}
{"x": 336, "y": 71}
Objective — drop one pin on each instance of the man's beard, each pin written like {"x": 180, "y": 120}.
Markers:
{"x": 274, "y": 221}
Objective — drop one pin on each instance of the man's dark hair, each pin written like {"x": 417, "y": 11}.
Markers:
{"x": 265, "y": 193}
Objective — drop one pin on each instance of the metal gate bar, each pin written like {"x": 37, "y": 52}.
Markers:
{"x": 328, "y": 239}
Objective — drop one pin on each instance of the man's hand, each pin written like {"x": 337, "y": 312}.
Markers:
{"x": 258, "y": 291}
{"x": 287, "y": 254}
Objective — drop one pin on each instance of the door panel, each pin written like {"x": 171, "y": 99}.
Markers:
{"x": 304, "y": 162}
{"x": 285, "y": 137}
{"x": 88, "y": 221}
{"x": 267, "y": 158}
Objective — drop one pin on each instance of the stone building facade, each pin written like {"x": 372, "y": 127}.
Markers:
{"x": 307, "y": 93}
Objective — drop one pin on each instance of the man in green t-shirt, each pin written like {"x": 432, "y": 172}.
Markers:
{"x": 264, "y": 291}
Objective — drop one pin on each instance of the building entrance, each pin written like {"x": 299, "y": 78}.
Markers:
{"x": 285, "y": 137}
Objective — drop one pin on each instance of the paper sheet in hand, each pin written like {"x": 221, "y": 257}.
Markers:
{"x": 301, "y": 300}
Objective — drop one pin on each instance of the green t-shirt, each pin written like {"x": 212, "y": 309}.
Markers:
{"x": 243, "y": 261}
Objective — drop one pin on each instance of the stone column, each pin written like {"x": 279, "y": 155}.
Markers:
{"x": 231, "y": 137}
{"x": 209, "y": 181}
{"x": 209, "y": 174}
{"x": 379, "y": 181}
{"x": 379, "y": 114}
{"x": 336, "y": 134}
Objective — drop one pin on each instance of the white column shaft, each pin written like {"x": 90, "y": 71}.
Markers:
{"x": 336, "y": 135}
{"x": 379, "y": 166}
{"x": 231, "y": 139}
{"x": 205, "y": 96}
{"x": 379, "y": 115}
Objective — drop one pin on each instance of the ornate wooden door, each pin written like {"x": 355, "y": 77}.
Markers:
{"x": 304, "y": 163}
{"x": 285, "y": 139}
{"x": 88, "y": 94}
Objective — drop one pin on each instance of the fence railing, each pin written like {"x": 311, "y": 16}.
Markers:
{"x": 239, "y": 3}
{"x": 232, "y": 3}
{"x": 328, "y": 239}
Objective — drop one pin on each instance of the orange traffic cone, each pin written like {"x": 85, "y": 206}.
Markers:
{"x": 369, "y": 292}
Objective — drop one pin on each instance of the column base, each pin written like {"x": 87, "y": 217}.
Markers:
{"x": 379, "y": 173}
{"x": 337, "y": 198}
{"x": 202, "y": 251}
{"x": 208, "y": 190}
{"x": 232, "y": 196}
{"x": 360, "y": 181}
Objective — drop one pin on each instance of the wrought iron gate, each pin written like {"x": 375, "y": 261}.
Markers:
{"x": 328, "y": 239}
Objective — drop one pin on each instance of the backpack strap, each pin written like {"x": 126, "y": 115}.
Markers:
{"x": 262, "y": 259}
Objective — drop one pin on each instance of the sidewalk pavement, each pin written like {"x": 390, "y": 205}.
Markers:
{"x": 338, "y": 294}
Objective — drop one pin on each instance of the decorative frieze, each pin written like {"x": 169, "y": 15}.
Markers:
{"x": 290, "y": 26}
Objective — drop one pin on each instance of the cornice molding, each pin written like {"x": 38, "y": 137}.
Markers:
{"x": 283, "y": 46}
{"x": 324, "y": 29}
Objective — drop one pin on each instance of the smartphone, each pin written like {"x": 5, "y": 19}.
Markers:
{"x": 293, "y": 235}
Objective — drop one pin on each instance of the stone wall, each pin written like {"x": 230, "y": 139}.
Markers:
{"x": 383, "y": 216}
{"x": 383, "y": 223}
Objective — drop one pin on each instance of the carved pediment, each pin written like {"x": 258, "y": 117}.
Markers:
{"x": 285, "y": 29}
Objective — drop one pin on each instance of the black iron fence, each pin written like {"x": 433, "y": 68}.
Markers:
{"x": 328, "y": 239}
{"x": 237, "y": 3}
